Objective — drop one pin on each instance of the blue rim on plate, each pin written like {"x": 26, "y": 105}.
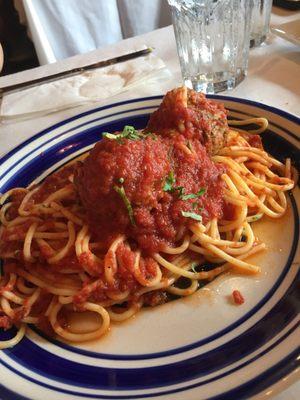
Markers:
{"x": 187, "y": 370}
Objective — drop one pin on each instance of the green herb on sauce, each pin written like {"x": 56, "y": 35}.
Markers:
{"x": 193, "y": 195}
{"x": 122, "y": 194}
{"x": 108, "y": 135}
{"x": 197, "y": 206}
{"x": 149, "y": 134}
{"x": 191, "y": 215}
{"x": 169, "y": 185}
{"x": 169, "y": 182}
{"x": 180, "y": 190}
{"x": 130, "y": 133}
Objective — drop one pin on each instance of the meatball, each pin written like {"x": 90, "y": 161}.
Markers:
{"x": 190, "y": 113}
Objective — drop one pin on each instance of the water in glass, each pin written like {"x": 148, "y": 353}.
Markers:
{"x": 212, "y": 38}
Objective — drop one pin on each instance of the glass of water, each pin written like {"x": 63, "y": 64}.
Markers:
{"x": 212, "y": 38}
{"x": 260, "y": 21}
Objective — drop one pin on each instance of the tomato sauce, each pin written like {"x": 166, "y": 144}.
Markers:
{"x": 5, "y": 322}
{"x": 237, "y": 297}
{"x": 144, "y": 167}
{"x": 255, "y": 141}
{"x": 149, "y": 189}
{"x": 54, "y": 182}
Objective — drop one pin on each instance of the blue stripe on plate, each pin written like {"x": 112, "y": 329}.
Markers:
{"x": 66, "y": 121}
{"x": 112, "y": 115}
{"x": 7, "y": 394}
{"x": 263, "y": 381}
{"x": 54, "y": 367}
{"x": 282, "y": 368}
{"x": 57, "y": 145}
{"x": 67, "y": 147}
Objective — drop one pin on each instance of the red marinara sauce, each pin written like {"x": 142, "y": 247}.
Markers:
{"x": 238, "y": 297}
{"x": 58, "y": 180}
{"x": 142, "y": 168}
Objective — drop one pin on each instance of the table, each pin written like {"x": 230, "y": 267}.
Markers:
{"x": 273, "y": 79}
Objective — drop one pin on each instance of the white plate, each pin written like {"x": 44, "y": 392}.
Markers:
{"x": 201, "y": 347}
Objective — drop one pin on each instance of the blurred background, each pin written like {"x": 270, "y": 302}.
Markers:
{"x": 37, "y": 32}
{"x": 18, "y": 48}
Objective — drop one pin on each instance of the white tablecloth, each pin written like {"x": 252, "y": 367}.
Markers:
{"x": 273, "y": 79}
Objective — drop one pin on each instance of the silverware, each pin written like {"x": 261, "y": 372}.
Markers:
{"x": 74, "y": 71}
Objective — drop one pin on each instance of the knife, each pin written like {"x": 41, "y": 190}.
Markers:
{"x": 74, "y": 71}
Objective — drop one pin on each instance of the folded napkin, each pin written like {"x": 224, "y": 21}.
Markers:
{"x": 87, "y": 87}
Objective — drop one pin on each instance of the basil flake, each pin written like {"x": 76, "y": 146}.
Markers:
{"x": 191, "y": 215}
{"x": 130, "y": 133}
{"x": 193, "y": 195}
{"x": 122, "y": 194}
{"x": 169, "y": 182}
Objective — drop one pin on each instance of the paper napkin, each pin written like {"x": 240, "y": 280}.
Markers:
{"x": 87, "y": 87}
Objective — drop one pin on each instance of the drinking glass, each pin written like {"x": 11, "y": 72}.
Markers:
{"x": 260, "y": 21}
{"x": 212, "y": 38}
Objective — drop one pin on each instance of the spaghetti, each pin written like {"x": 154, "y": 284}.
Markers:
{"x": 56, "y": 262}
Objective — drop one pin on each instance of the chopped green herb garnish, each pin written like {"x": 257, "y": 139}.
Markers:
{"x": 109, "y": 135}
{"x": 191, "y": 215}
{"x": 149, "y": 134}
{"x": 129, "y": 132}
{"x": 121, "y": 180}
{"x": 122, "y": 194}
{"x": 169, "y": 182}
{"x": 180, "y": 190}
{"x": 193, "y": 195}
{"x": 201, "y": 192}
{"x": 189, "y": 196}
{"x": 169, "y": 185}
